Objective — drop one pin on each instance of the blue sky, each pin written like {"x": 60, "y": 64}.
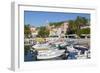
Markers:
{"x": 37, "y": 18}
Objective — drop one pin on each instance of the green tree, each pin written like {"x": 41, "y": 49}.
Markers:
{"x": 43, "y": 32}
{"x": 84, "y": 21}
{"x": 75, "y": 25}
{"x": 72, "y": 27}
{"x": 80, "y": 21}
{"x": 27, "y": 31}
{"x": 85, "y": 31}
{"x": 56, "y": 23}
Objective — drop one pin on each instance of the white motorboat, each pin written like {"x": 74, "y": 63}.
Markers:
{"x": 49, "y": 54}
{"x": 80, "y": 46}
{"x": 41, "y": 46}
{"x": 45, "y": 51}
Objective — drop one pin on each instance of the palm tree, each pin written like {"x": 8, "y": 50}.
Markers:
{"x": 85, "y": 21}
{"x": 72, "y": 27}
{"x": 80, "y": 21}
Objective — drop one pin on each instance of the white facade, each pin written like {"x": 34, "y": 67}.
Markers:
{"x": 34, "y": 32}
